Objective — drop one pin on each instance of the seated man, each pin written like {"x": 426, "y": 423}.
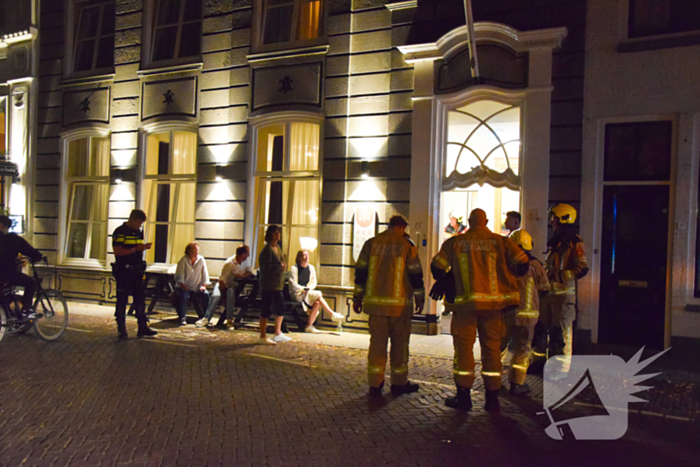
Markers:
{"x": 232, "y": 269}
{"x": 11, "y": 245}
{"x": 192, "y": 278}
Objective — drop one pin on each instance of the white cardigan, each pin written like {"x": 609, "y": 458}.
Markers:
{"x": 296, "y": 289}
{"x": 192, "y": 276}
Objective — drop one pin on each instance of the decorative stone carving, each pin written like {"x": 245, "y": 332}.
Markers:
{"x": 287, "y": 85}
{"x": 91, "y": 105}
{"x": 169, "y": 98}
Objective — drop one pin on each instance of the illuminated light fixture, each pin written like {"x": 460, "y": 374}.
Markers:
{"x": 308, "y": 243}
{"x": 118, "y": 176}
{"x": 219, "y": 173}
{"x": 365, "y": 169}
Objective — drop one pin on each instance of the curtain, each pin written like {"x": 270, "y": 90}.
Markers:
{"x": 303, "y": 147}
{"x": 184, "y": 153}
{"x": 309, "y": 19}
{"x": 99, "y": 158}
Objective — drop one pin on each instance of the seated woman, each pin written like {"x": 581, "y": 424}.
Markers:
{"x": 302, "y": 281}
{"x": 191, "y": 277}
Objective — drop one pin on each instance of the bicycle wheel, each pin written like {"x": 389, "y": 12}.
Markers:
{"x": 3, "y": 322}
{"x": 51, "y": 304}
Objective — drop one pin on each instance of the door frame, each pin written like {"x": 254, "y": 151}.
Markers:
{"x": 592, "y": 186}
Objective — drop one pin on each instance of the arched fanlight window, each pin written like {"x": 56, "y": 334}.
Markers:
{"x": 483, "y": 146}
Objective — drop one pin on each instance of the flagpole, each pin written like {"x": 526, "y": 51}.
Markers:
{"x": 472, "y": 43}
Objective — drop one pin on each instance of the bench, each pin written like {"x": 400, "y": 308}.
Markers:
{"x": 249, "y": 303}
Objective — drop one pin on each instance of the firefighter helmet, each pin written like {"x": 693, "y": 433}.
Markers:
{"x": 522, "y": 238}
{"x": 565, "y": 213}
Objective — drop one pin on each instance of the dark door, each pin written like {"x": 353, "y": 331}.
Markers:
{"x": 633, "y": 265}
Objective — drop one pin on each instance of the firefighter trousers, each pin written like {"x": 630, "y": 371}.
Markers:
{"x": 518, "y": 333}
{"x": 381, "y": 330}
{"x": 554, "y": 330}
{"x": 463, "y": 329}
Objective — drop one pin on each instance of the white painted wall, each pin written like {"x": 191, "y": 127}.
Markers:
{"x": 634, "y": 86}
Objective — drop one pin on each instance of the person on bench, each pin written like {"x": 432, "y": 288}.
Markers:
{"x": 232, "y": 269}
{"x": 302, "y": 282}
{"x": 191, "y": 277}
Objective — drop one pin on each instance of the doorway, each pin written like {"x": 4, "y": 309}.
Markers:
{"x": 634, "y": 240}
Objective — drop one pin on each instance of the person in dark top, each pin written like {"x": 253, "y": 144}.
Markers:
{"x": 12, "y": 245}
{"x": 128, "y": 270}
{"x": 272, "y": 266}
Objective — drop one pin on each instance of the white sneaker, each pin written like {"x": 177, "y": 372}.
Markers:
{"x": 282, "y": 338}
{"x": 210, "y": 323}
{"x": 201, "y": 322}
{"x": 312, "y": 329}
{"x": 337, "y": 317}
{"x": 266, "y": 341}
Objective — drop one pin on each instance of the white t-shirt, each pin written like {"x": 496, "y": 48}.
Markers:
{"x": 231, "y": 269}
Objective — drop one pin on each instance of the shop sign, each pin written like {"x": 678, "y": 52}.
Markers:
{"x": 364, "y": 227}
{"x": 8, "y": 169}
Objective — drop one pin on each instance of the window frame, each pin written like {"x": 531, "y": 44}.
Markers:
{"x": 72, "y": 42}
{"x": 252, "y": 229}
{"x": 625, "y": 27}
{"x": 161, "y": 179}
{"x": 150, "y": 14}
{"x": 65, "y": 201}
{"x": 258, "y": 43}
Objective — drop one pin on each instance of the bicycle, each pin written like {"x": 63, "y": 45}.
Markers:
{"x": 50, "y": 307}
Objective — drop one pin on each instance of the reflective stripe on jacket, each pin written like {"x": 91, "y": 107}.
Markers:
{"x": 565, "y": 263}
{"x": 388, "y": 274}
{"x": 530, "y": 285}
{"x": 479, "y": 260}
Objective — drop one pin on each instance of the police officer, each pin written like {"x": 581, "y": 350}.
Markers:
{"x": 12, "y": 245}
{"x": 388, "y": 275}
{"x": 484, "y": 287}
{"x": 128, "y": 270}
{"x": 520, "y": 323}
{"x": 565, "y": 264}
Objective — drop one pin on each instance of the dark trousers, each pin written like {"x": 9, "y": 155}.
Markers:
{"x": 22, "y": 280}
{"x": 130, "y": 282}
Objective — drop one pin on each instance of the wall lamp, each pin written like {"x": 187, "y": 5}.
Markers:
{"x": 219, "y": 173}
{"x": 364, "y": 173}
{"x": 118, "y": 176}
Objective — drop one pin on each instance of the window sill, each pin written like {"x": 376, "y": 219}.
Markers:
{"x": 166, "y": 70}
{"x": 287, "y": 53}
{"x": 659, "y": 42}
{"x": 105, "y": 79}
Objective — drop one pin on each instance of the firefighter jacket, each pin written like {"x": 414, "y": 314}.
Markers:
{"x": 530, "y": 286}
{"x": 388, "y": 274}
{"x": 479, "y": 260}
{"x": 565, "y": 262}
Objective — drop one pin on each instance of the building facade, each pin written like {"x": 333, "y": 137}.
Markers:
{"x": 18, "y": 117}
{"x": 326, "y": 117}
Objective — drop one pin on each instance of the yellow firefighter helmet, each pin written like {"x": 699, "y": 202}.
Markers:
{"x": 522, "y": 238}
{"x": 565, "y": 213}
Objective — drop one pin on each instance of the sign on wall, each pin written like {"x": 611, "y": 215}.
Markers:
{"x": 364, "y": 227}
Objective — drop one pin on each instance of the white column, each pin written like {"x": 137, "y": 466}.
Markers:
{"x": 18, "y": 147}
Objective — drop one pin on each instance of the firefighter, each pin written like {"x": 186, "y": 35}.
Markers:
{"x": 388, "y": 275}
{"x": 520, "y": 323}
{"x": 565, "y": 265}
{"x": 484, "y": 287}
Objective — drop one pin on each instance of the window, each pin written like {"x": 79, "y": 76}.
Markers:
{"x": 482, "y": 161}
{"x": 177, "y": 30}
{"x": 657, "y": 17}
{"x": 292, "y": 20}
{"x": 86, "y": 165}
{"x": 288, "y": 184}
{"x": 93, "y": 39}
{"x": 169, "y": 193}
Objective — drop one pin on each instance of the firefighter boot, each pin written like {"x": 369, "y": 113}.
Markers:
{"x": 376, "y": 391}
{"x": 121, "y": 330}
{"x": 519, "y": 389}
{"x": 462, "y": 401}
{"x": 407, "y": 388}
{"x": 492, "y": 404}
{"x": 145, "y": 331}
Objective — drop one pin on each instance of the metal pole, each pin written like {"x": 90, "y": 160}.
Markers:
{"x": 472, "y": 43}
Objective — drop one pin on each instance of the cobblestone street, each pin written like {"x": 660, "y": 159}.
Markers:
{"x": 207, "y": 397}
